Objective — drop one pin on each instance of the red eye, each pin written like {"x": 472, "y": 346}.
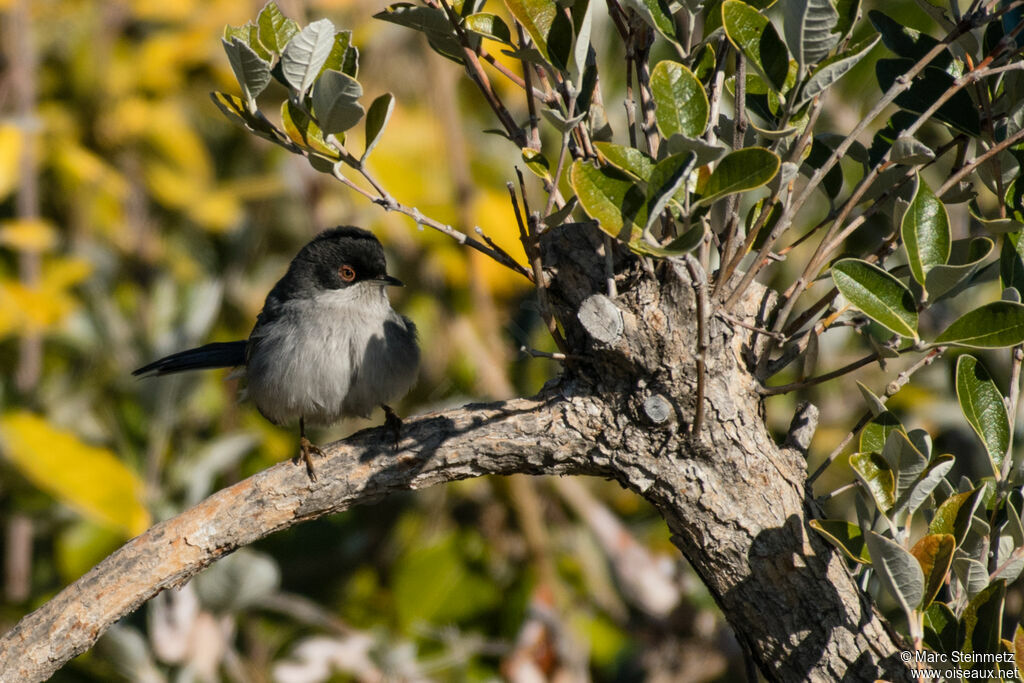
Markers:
{"x": 347, "y": 273}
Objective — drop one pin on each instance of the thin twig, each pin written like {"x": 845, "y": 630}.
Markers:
{"x": 391, "y": 204}
{"x": 700, "y": 286}
{"x": 890, "y": 390}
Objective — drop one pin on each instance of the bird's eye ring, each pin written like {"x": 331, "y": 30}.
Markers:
{"x": 347, "y": 273}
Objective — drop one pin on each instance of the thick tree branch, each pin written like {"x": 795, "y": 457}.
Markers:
{"x": 520, "y": 435}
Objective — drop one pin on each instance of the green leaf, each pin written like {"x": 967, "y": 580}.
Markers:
{"x": 681, "y": 105}
{"x": 275, "y": 28}
{"x": 344, "y": 57}
{"x": 377, "y": 118}
{"x": 876, "y": 477}
{"x": 235, "y": 110}
{"x": 336, "y": 102}
{"x": 627, "y": 159}
{"x": 875, "y": 405}
{"x": 435, "y": 584}
{"x": 490, "y": 26}
{"x": 934, "y": 553}
{"x": 834, "y": 68}
{"x": 306, "y": 53}
{"x": 657, "y": 14}
{"x": 955, "y": 513}
{"x": 537, "y": 163}
{"x": 431, "y": 21}
{"x": 248, "y": 34}
{"x": 548, "y": 26}
{"x": 686, "y": 242}
{"x": 1011, "y": 261}
{"x": 667, "y": 177}
{"x": 739, "y": 171}
{"x": 925, "y": 232}
{"x": 611, "y": 198}
{"x": 941, "y": 629}
{"x": 849, "y": 14}
{"x": 751, "y": 32}
{"x": 877, "y": 294}
{"x": 252, "y": 73}
{"x": 982, "y": 620}
{"x": 965, "y": 258}
{"x": 877, "y": 430}
{"x": 897, "y": 570}
{"x": 917, "y": 493}
{"x": 982, "y": 405}
{"x": 905, "y": 460}
{"x": 845, "y": 536}
{"x": 707, "y": 152}
{"x": 807, "y": 26}
{"x": 905, "y": 41}
{"x": 992, "y": 326}
{"x": 304, "y": 132}
{"x": 959, "y": 111}
{"x": 972, "y": 574}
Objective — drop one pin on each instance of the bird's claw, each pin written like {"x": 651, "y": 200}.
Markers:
{"x": 393, "y": 424}
{"x": 307, "y": 447}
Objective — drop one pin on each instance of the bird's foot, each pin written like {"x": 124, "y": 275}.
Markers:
{"x": 306, "y": 448}
{"x": 393, "y": 423}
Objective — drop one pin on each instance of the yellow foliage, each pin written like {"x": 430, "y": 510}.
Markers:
{"x": 43, "y": 307}
{"x": 11, "y": 141}
{"x": 28, "y": 234}
{"x": 494, "y": 211}
{"x": 87, "y": 478}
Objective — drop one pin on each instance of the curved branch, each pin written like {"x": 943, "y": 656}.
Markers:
{"x": 521, "y": 435}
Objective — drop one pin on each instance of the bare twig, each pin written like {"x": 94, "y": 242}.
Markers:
{"x": 389, "y": 203}
{"x": 700, "y": 285}
{"x": 890, "y": 390}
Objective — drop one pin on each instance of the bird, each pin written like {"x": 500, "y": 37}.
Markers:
{"x": 327, "y": 343}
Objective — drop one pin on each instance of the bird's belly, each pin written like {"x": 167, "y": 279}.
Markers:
{"x": 333, "y": 369}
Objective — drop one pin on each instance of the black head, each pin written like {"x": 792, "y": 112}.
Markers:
{"x": 337, "y": 258}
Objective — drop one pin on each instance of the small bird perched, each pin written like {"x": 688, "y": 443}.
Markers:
{"x": 327, "y": 343}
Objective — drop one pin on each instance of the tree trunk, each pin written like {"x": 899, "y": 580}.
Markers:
{"x": 734, "y": 500}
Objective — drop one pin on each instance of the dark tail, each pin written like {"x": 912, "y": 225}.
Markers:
{"x": 215, "y": 355}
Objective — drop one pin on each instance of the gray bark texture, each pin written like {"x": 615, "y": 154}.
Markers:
{"x": 734, "y": 500}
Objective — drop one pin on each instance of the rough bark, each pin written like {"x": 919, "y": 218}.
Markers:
{"x": 733, "y": 499}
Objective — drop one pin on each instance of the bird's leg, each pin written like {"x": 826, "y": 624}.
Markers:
{"x": 393, "y": 423}
{"x": 306, "y": 447}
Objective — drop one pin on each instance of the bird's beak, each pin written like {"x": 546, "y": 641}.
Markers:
{"x": 391, "y": 281}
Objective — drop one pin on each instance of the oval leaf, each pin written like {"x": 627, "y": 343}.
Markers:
{"x": 925, "y": 232}
{"x": 845, "y": 536}
{"x": 934, "y": 552}
{"x": 807, "y": 26}
{"x": 629, "y": 159}
{"x": 750, "y": 32}
{"x": 898, "y": 571}
{"x": 336, "y": 102}
{"x": 982, "y": 405}
{"x": 611, "y": 198}
{"x": 305, "y": 53}
{"x": 834, "y": 68}
{"x": 740, "y": 171}
{"x": 252, "y": 73}
{"x": 992, "y": 326}
{"x": 377, "y": 118}
{"x": 877, "y": 294}
{"x": 874, "y": 473}
{"x": 275, "y": 29}
{"x": 965, "y": 258}
{"x": 681, "y": 105}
